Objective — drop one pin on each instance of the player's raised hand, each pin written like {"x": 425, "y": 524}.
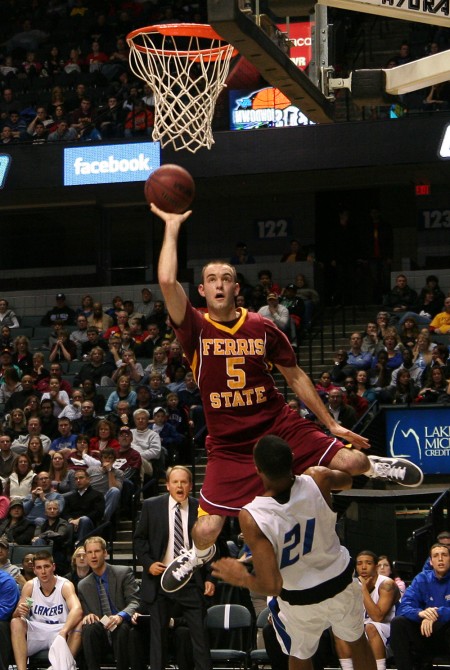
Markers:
{"x": 170, "y": 217}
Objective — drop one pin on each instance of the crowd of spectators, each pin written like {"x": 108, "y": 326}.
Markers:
{"x": 64, "y": 69}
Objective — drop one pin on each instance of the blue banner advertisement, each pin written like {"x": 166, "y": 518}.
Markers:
{"x": 422, "y": 435}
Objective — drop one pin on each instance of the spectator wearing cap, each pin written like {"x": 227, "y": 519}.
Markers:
{"x": 16, "y": 529}
{"x": 278, "y": 314}
{"x": 170, "y": 438}
{"x": 7, "y": 566}
{"x": 145, "y": 440}
{"x": 60, "y": 312}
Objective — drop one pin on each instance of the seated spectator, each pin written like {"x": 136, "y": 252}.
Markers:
{"x": 379, "y": 373}
{"x": 402, "y": 297}
{"x": 7, "y": 316}
{"x": 177, "y": 416}
{"x": 143, "y": 397}
{"x": 21, "y": 478}
{"x": 99, "y": 319}
{"x": 55, "y": 371}
{"x": 60, "y": 312}
{"x": 324, "y": 385}
{"x": 42, "y": 118}
{"x": 39, "y": 372}
{"x": 408, "y": 332}
{"x": 63, "y": 349}
{"x": 310, "y": 297}
{"x": 49, "y": 422}
{"x": 241, "y": 255}
{"x": 15, "y": 527}
{"x": 72, "y": 411}
{"x": 79, "y": 567}
{"x": 393, "y": 348}
{"x": 435, "y": 384}
{"x": 296, "y": 308}
{"x": 294, "y": 254}
{"x": 123, "y": 392}
{"x": 84, "y": 507}
{"x": 358, "y": 359}
{"x": 87, "y": 306}
{"x": 425, "y": 310}
{"x": 441, "y": 322}
{"x": 385, "y": 567}
{"x": 96, "y": 369}
{"x": 403, "y": 393}
{"x": 432, "y": 284}
{"x": 7, "y": 457}
{"x": 7, "y": 566}
{"x": 11, "y": 384}
{"x": 130, "y": 367}
{"x": 422, "y": 352}
{"x": 28, "y": 566}
{"x": 268, "y": 286}
{"x": 6, "y": 362}
{"x": 40, "y": 461}
{"x": 371, "y": 343}
{"x": 41, "y": 492}
{"x": 276, "y": 313}
{"x": 159, "y": 363}
{"x": 178, "y": 384}
{"x": 341, "y": 412}
{"x": 363, "y": 388}
{"x": 158, "y": 391}
{"x": 93, "y": 340}
{"x": 170, "y": 438}
{"x": 191, "y": 402}
{"x": 359, "y": 404}
{"x": 22, "y": 356}
{"x": 122, "y": 415}
{"x": 6, "y": 341}
{"x": 87, "y": 424}
{"x": 63, "y": 133}
{"x": 19, "y": 399}
{"x": 34, "y": 427}
{"x": 122, "y": 323}
{"x": 6, "y": 136}
{"x": 61, "y": 476}
{"x": 32, "y": 406}
{"x": 90, "y": 393}
{"x": 65, "y": 443}
{"x": 79, "y": 336}
{"x": 440, "y": 358}
{"x": 380, "y": 595}
{"x": 111, "y": 118}
{"x": 145, "y": 440}
{"x": 139, "y": 121}
{"x": 75, "y": 460}
{"x": 383, "y": 323}
{"x": 106, "y": 478}
{"x": 84, "y": 113}
{"x": 105, "y": 438}
{"x": 59, "y": 397}
{"x": 129, "y": 459}
{"x": 420, "y": 631}
{"x": 16, "y": 124}
{"x": 55, "y": 531}
{"x": 340, "y": 369}
{"x": 415, "y": 372}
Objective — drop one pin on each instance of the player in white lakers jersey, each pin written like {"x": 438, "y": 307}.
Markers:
{"x": 297, "y": 557}
{"x": 48, "y": 607}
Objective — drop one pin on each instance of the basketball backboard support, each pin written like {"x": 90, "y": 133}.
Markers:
{"x": 235, "y": 21}
{"x": 270, "y": 57}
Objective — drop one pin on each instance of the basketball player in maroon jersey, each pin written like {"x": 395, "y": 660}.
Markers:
{"x": 232, "y": 352}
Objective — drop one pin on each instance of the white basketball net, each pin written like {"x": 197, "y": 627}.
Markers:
{"x": 186, "y": 82}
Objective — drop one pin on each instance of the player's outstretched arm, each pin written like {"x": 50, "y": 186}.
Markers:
{"x": 303, "y": 387}
{"x": 266, "y": 579}
{"x": 174, "y": 295}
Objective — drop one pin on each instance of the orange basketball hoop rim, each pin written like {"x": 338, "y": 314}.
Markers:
{"x": 198, "y": 30}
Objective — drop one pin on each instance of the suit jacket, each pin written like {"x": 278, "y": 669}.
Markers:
{"x": 151, "y": 539}
{"x": 91, "y": 504}
{"x": 123, "y": 590}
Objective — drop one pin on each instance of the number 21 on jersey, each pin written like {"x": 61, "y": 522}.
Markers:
{"x": 293, "y": 546}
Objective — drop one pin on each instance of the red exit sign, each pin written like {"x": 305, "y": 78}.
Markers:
{"x": 422, "y": 189}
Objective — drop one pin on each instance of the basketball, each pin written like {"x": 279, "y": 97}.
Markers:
{"x": 171, "y": 188}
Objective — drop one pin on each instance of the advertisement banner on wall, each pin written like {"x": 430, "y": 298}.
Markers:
{"x": 300, "y": 36}
{"x": 110, "y": 164}
{"x": 420, "y": 434}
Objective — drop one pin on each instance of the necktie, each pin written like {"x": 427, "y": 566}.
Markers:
{"x": 178, "y": 535}
{"x": 104, "y": 600}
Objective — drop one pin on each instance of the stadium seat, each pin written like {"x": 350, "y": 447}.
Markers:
{"x": 228, "y": 619}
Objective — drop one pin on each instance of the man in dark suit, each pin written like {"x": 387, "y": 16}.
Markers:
{"x": 109, "y": 599}
{"x": 84, "y": 508}
{"x": 155, "y": 543}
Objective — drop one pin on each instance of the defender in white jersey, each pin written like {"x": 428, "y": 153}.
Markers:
{"x": 48, "y": 607}
{"x": 298, "y": 558}
{"x": 380, "y": 595}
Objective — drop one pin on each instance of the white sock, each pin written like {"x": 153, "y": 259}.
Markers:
{"x": 201, "y": 553}
{"x": 346, "y": 663}
{"x": 381, "y": 664}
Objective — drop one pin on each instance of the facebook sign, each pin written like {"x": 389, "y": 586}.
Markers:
{"x": 110, "y": 164}
{"x": 421, "y": 434}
